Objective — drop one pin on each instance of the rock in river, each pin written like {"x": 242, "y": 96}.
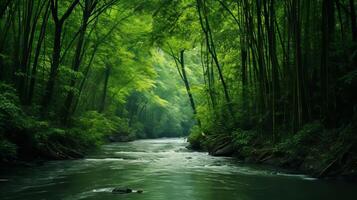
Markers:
{"x": 125, "y": 191}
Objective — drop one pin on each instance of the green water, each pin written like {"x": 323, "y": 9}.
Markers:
{"x": 165, "y": 170}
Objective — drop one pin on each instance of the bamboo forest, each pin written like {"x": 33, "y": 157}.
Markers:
{"x": 178, "y": 99}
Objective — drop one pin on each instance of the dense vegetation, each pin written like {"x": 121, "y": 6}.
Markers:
{"x": 280, "y": 82}
{"x": 74, "y": 74}
{"x": 265, "y": 80}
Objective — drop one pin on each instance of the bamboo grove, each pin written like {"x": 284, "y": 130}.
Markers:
{"x": 280, "y": 64}
{"x": 253, "y": 72}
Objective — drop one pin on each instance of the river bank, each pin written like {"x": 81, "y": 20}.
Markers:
{"x": 318, "y": 159}
{"x": 33, "y": 156}
{"x": 314, "y": 151}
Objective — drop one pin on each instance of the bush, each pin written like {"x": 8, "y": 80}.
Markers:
{"x": 137, "y": 131}
{"x": 242, "y": 138}
{"x": 196, "y": 138}
{"x": 299, "y": 144}
{"x": 11, "y": 115}
{"x": 90, "y": 129}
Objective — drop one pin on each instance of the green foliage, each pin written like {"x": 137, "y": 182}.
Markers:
{"x": 96, "y": 124}
{"x": 7, "y": 150}
{"x": 92, "y": 128}
{"x": 243, "y": 138}
{"x": 196, "y": 138}
{"x": 22, "y": 133}
{"x": 11, "y": 114}
{"x": 350, "y": 78}
{"x": 300, "y": 144}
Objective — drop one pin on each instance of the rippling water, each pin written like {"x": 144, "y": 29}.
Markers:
{"x": 165, "y": 170}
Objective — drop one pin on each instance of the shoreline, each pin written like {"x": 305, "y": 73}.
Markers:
{"x": 307, "y": 165}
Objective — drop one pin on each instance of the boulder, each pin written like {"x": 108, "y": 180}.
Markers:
{"x": 226, "y": 149}
{"x": 122, "y": 190}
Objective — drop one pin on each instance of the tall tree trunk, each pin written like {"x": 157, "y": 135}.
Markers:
{"x": 211, "y": 48}
{"x": 76, "y": 62}
{"x": 353, "y": 21}
{"x": 3, "y": 6}
{"x": 296, "y": 13}
{"x": 188, "y": 88}
{"x": 56, "y": 55}
{"x": 41, "y": 37}
{"x": 354, "y": 31}
{"x": 105, "y": 88}
{"x": 327, "y": 35}
{"x": 86, "y": 72}
{"x": 270, "y": 25}
{"x": 25, "y": 40}
{"x": 47, "y": 98}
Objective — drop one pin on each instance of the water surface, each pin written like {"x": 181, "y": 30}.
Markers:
{"x": 165, "y": 170}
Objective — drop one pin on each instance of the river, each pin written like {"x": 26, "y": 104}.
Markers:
{"x": 165, "y": 170}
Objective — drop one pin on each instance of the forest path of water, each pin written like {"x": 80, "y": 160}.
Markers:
{"x": 165, "y": 170}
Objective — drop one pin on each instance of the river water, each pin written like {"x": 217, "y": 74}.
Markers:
{"x": 165, "y": 170}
